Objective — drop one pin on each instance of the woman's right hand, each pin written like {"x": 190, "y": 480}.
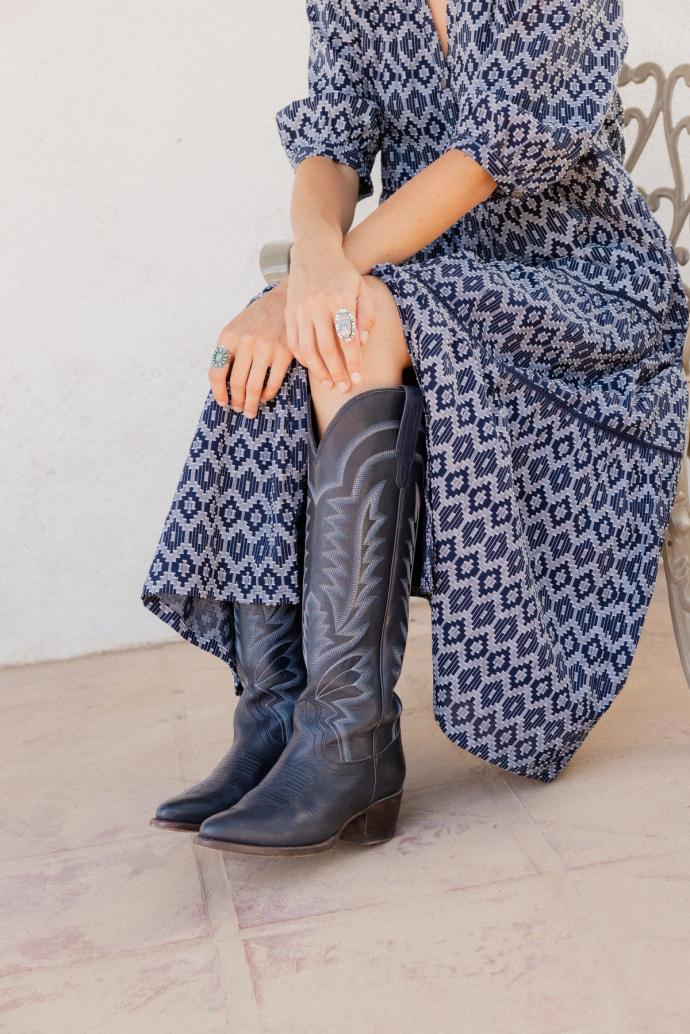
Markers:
{"x": 256, "y": 342}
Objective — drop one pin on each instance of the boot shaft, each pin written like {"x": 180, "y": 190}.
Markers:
{"x": 270, "y": 667}
{"x": 364, "y": 498}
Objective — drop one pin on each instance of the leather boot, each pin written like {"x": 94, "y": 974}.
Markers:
{"x": 271, "y": 671}
{"x": 341, "y": 775}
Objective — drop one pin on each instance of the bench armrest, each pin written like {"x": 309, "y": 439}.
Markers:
{"x": 274, "y": 260}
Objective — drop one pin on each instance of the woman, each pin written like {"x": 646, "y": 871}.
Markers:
{"x": 474, "y": 396}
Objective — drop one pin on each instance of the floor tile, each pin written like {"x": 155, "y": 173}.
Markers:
{"x": 47, "y": 813}
{"x": 75, "y": 731}
{"x": 84, "y": 678}
{"x": 507, "y": 957}
{"x": 642, "y": 907}
{"x": 441, "y": 846}
{"x": 167, "y": 989}
{"x": 639, "y": 794}
{"x": 103, "y": 900}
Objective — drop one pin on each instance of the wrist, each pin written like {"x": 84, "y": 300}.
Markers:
{"x": 323, "y": 239}
{"x": 280, "y": 288}
{"x": 354, "y": 253}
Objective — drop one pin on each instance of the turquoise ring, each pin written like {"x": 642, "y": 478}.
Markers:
{"x": 220, "y": 358}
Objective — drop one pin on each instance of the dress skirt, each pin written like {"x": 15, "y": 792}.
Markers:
{"x": 550, "y": 478}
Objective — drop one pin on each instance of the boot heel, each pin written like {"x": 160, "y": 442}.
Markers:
{"x": 376, "y": 824}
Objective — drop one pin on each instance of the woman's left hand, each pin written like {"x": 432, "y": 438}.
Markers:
{"x": 322, "y": 281}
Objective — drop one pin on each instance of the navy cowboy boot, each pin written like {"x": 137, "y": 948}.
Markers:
{"x": 271, "y": 671}
{"x": 342, "y": 773}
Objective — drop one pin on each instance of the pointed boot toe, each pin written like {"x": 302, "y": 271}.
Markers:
{"x": 232, "y": 830}
{"x": 215, "y": 827}
{"x": 234, "y": 834}
{"x": 179, "y": 813}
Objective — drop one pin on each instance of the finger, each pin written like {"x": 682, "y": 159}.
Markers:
{"x": 217, "y": 376}
{"x": 330, "y": 351}
{"x": 238, "y": 379}
{"x": 292, "y": 336}
{"x": 255, "y": 383}
{"x": 352, "y": 353}
{"x": 279, "y": 368}
{"x": 311, "y": 356}
{"x": 366, "y": 317}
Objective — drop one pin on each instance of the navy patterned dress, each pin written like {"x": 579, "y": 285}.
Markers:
{"x": 546, "y": 330}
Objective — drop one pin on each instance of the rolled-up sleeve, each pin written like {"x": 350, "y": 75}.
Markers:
{"x": 543, "y": 90}
{"x": 339, "y": 119}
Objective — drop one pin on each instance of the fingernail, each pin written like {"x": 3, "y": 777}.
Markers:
{"x": 327, "y": 384}
{"x": 342, "y": 385}
{"x": 237, "y": 409}
{"x": 364, "y": 335}
{"x": 356, "y": 378}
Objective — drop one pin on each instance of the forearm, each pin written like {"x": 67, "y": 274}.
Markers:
{"x": 324, "y": 198}
{"x": 419, "y": 212}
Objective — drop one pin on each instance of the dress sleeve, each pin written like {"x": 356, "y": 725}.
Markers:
{"x": 543, "y": 89}
{"x": 339, "y": 119}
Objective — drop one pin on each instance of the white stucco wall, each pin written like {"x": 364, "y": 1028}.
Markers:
{"x": 141, "y": 171}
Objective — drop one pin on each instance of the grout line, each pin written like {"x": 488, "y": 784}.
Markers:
{"x": 512, "y": 810}
{"x": 102, "y": 956}
{"x": 298, "y": 923}
{"x": 217, "y": 899}
{"x": 644, "y": 857}
{"x": 229, "y": 949}
{"x": 72, "y": 850}
{"x": 471, "y": 812}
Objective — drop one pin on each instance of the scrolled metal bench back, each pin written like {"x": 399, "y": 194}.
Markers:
{"x": 662, "y": 109}
{"x": 676, "y": 551}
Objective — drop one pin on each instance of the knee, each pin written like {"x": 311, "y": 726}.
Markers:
{"x": 381, "y": 295}
{"x": 387, "y": 328}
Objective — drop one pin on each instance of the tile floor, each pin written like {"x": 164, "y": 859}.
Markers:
{"x": 504, "y": 906}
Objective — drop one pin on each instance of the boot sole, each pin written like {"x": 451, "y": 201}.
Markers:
{"x": 373, "y": 825}
{"x": 181, "y": 827}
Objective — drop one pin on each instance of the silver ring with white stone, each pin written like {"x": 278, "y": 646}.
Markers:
{"x": 345, "y": 325}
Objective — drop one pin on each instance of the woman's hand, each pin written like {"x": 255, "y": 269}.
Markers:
{"x": 322, "y": 280}
{"x": 256, "y": 342}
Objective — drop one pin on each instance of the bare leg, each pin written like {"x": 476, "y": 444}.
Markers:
{"x": 385, "y": 358}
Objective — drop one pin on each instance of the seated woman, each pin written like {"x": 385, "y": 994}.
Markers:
{"x": 474, "y": 396}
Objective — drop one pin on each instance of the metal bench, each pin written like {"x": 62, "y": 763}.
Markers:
{"x": 676, "y": 551}
{"x": 274, "y": 260}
